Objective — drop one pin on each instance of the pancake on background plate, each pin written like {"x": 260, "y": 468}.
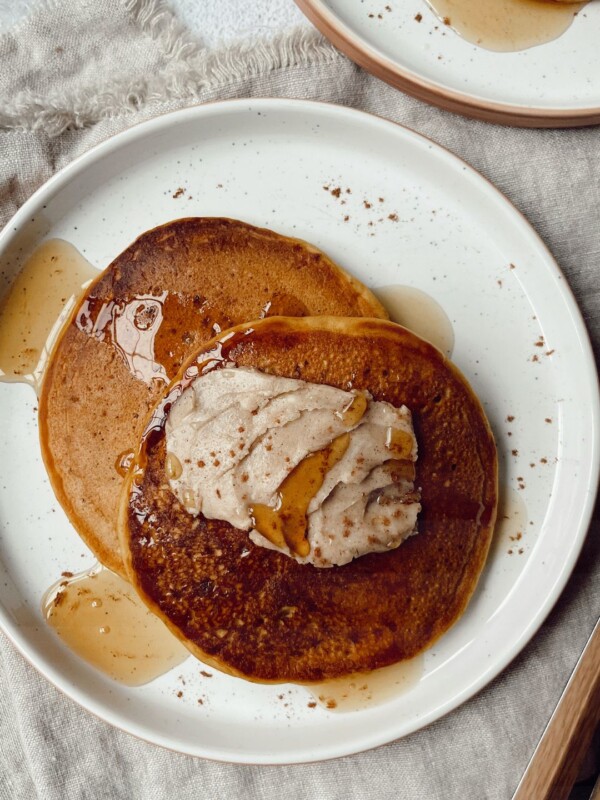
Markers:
{"x": 159, "y": 301}
{"x": 253, "y": 610}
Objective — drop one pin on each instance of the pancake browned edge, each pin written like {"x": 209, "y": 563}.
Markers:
{"x": 199, "y": 275}
{"x": 257, "y": 613}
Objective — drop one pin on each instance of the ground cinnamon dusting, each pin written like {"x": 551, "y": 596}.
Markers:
{"x": 330, "y": 703}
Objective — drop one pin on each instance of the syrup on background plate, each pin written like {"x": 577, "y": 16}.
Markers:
{"x": 506, "y": 25}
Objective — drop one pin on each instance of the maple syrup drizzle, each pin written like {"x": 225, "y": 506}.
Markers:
{"x": 358, "y": 691}
{"x": 400, "y": 443}
{"x": 506, "y": 25}
{"x": 131, "y": 326}
{"x": 402, "y": 470}
{"x": 124, "y": 461}
{"x": 355, "y": 411}
{"x": 420, "y": 313}
{"x": 37, "y": 305}
{"x": 173, "y": 467}
{"x": 100, "y": 617}
{"x": 286, "y": 524}
{"x": 283, "y": 304}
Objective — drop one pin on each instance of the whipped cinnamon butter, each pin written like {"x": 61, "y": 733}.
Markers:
{"x": 321, "y": 474}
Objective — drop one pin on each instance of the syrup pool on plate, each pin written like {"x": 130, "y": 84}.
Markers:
{"x": 99, "y": 616}
{"x": 506, "y": 25}
{"x": 37, "y": 304}
{"x": 420, "y": 313}
{"x": 359, "y": 691}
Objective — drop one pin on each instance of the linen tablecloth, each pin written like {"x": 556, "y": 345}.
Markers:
{"x": 73, "y": 73}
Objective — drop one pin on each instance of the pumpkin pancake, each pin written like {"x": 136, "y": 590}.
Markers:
{"x": 158, "y": 302}
{"x": 257, "y": 613}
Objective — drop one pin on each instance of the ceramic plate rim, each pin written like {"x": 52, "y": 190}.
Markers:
{"x": 388, "y": 70}
{"x": 75, "y": 169}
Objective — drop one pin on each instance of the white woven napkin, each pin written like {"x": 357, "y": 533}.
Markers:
{"x": 75, "y": 73}
{"x": 218, "y": 23}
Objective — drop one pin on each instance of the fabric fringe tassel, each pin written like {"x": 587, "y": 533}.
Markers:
{"x": 187, "y": 70}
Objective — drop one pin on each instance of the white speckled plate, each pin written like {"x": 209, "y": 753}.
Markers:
{"x": 267, "y": 162}
{"x": 552, "y": 85}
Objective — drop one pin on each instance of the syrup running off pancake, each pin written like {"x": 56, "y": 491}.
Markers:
{"x": 256, "y": 612}
{"x": 99, "y": 616}
{"x": 420, "y": 313}
{"x": 38, "y": 303}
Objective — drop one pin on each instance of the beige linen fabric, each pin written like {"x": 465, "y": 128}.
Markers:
{"x": 79, "y": 71}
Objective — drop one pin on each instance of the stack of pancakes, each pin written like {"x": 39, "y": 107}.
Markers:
{"x": 213, "y": 290}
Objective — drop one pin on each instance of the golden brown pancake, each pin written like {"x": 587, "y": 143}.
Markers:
{"x": 160, "y": 300}
{"x": 259, "y": 614}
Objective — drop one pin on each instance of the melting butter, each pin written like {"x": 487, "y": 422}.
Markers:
{"x": 506, "y": 25}
{"x": 38, "y": 303}
{"x": 359, "y": 691}
{"x": 101, "y": 618}
{"x": 420, "y": 313}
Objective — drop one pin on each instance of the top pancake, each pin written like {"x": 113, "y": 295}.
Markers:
{"x": 258, "y": 613}
{"x": 160, "y": 300}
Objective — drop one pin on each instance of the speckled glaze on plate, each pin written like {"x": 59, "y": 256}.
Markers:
{"x": 556, "y": 84}
{"x": 413, "y": 214}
